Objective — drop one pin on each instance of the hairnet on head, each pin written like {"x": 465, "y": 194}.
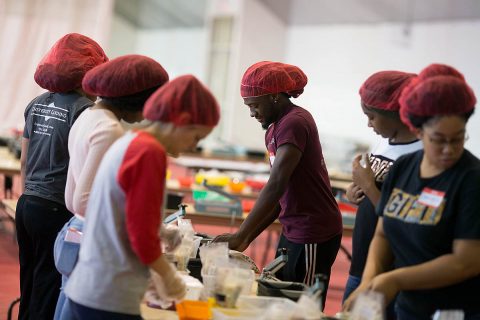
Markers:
{"x": 436, "y": 96}
{"x": 382, "y": 89}
{"x": 267, "y": 77}
{"x": 123, "y": 76}
{"x": 437, "y": 69}
{"x": 183, "y": 95}
{"x": 64, "y": 66}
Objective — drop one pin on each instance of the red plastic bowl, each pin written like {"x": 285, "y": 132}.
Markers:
{"x": 185, "y": 182}
{"x": 255, "y": 185}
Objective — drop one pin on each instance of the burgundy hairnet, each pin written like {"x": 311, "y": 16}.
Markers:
{"x": 124, "y": 76}
{"x": 382, "y": 89}
{"x": 437, "y": 69}
{"x": 64, "y": 66}
{"x": 267, "y": 77}
{"x": 436, "y": 96}
{"x": 183, "y": 95}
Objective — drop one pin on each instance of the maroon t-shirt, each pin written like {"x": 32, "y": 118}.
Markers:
{"x": 310, "y": 212}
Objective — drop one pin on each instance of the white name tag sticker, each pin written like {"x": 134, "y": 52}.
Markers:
{"x": 272, "y": 158}
{"x": 431, "y": 198}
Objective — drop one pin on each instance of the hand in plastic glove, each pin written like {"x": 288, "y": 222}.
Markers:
{"x": 169, "y": 285}
{"x": 170, "y": 236}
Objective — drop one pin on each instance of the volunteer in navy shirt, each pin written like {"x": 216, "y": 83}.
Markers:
{"x": 429, "y": 226}
{"x": 298, "y": 192}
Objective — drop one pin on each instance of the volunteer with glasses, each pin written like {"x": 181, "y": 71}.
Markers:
{"x": 429, "y": 225}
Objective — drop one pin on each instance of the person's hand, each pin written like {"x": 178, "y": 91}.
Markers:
{"x": 170, "y": 236}
{"x": 348, "y": 304}
{"x": 354, "y": 193}
{"x": 234, "y": 241}
{"x": 386, "y": 284}
{"x": 362, "y": 176}
{"x": 169, "y": 286}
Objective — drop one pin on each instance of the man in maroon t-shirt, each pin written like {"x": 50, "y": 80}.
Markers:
{"x": 298, "y": 192}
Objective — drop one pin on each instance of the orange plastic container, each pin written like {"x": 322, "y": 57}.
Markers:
{"x": 236, "y": 186}
{"x": 194, "y": 310}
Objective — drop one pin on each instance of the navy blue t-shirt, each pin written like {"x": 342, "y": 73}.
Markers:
{"x": 48, "y": 120}
{"x": 422, "y": 218}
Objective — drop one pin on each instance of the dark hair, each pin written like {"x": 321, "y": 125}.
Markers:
{"x": 131, "y": 103}
{"x": 419, "y": 121}
{"x": 387, "y": 113}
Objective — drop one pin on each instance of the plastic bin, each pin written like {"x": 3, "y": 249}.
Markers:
{"x": 262, "y": 303}
{"x": 193, "y": 310}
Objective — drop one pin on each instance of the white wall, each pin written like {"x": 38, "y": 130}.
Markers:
{"x": 260, "y": 35}
{"x": 338, "y": 58}
{"x": 123, "y": 37}
{"x": 179, "y": 51}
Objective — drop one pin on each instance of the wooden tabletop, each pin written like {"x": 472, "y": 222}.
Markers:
{"x": 8, "y": 163}
{"x": 9, "y": 207}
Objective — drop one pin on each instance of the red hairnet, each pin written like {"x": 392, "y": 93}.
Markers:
{"x": 436, "y": 96}
{"x": 267, "y": 77}
{"x": 382, "y": 89}
{"x": 124, "y": 76}
{"x": 183, "y": 95}
{"x": 437, "y": 69}
{"x": 64, "y": 66}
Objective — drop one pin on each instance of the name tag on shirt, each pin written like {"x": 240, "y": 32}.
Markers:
{"x": 271, "y": 156}
{"x": 431, "y": 198}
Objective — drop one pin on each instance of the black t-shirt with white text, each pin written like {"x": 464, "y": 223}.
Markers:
{"x": 382, "y": 157}
{"x": 422, "y": 218}
{"x": 48, "y": 120}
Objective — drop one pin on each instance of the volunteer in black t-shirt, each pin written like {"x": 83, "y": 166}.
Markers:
{"x": 379, "y": 100}
{"x": 41, "y": 211}
{"x": 429, "y": 225}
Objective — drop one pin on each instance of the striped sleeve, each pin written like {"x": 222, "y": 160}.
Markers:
{"x": 142, "y": 177}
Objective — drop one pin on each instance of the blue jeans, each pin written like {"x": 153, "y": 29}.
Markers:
{"x": 352, "y": 284}
{"x": 64, "y": 263}
{"x": 80, "y": 312}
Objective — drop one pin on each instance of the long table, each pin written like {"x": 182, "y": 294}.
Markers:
{"x": 9, "y": 165}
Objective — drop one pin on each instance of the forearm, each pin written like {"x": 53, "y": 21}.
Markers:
{"x": 372, "y": 193}
{"x": 23, "y": 163}
{"x": 267, "y": 220}
{"x": 443, "y": 271}
{"x": 22, "y": 177}
{"x": 161, "y": 266}
{"x": 264, "y": 213}
{"x": 379, "y": 259}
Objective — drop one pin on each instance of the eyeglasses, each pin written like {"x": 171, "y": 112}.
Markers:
{"x": 442, "y": 142}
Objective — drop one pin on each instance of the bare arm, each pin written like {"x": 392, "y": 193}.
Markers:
{"x": 266, "y": 208}
{"x": 23, "y": 163}
{"x": 446, "y": 270}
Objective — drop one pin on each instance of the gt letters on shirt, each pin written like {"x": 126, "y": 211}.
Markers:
{"x": 413, "y": 209}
